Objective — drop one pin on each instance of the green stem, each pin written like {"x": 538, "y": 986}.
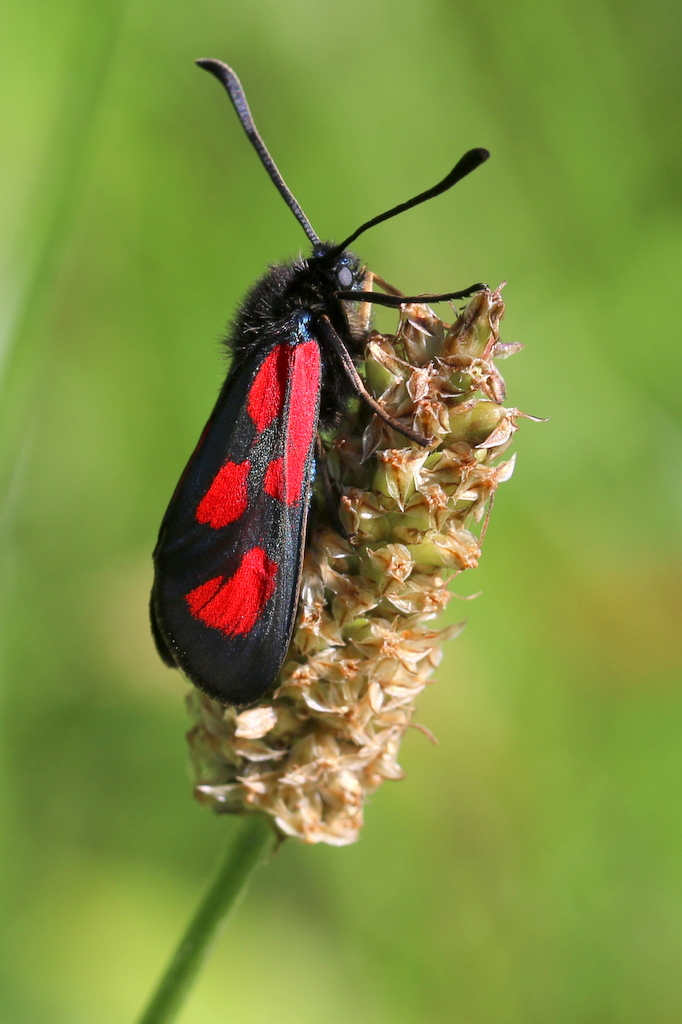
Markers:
{"x": 223, "y": 895}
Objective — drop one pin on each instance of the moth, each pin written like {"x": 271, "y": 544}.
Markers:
{"x": 230, "y": 548}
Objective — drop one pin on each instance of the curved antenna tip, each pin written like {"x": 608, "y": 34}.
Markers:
{"x": 224, "y": 73}
{"x": 472, "y": 159}
{"x": 206, "y": 62}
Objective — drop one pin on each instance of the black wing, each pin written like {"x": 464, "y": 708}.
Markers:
{"x": 228, "y": 558}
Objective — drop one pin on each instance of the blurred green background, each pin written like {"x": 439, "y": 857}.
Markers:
{"x": 528, "y": 870}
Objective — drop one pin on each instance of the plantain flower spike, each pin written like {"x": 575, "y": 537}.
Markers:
{"x": 364, "y": 646}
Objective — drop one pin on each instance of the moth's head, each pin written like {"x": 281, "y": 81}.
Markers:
{"x": 342, "y": 269}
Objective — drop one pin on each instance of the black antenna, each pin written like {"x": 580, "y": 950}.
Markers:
{"x": 468, "y": 163}
{"x": 396, "y": 301}
{"x": 227, "y": 77}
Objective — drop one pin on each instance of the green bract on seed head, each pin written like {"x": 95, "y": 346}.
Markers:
{"x": 364, "y": 646}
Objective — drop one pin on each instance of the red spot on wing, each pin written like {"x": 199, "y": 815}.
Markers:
{"x": 234, "y": 606}
{"x": 227, "y": 497}
{"x": 274, "y": 479}
{"x": 284, "y": 476}
{"x": 266, "y": 395}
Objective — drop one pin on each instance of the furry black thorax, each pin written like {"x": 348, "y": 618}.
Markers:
{"x": 275, "y": 304}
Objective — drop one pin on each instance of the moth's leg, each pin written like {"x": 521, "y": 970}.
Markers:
{"x": 331, "y": 499}
{"x": 384, "y": 285}
{"x": 365, "y": 308}
{"x": 359, "y": 386}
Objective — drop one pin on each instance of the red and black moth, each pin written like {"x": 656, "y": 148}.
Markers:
{"x": 230, "y": 548}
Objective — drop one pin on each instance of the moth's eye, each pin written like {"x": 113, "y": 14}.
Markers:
{"x": 345, "y": 277}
